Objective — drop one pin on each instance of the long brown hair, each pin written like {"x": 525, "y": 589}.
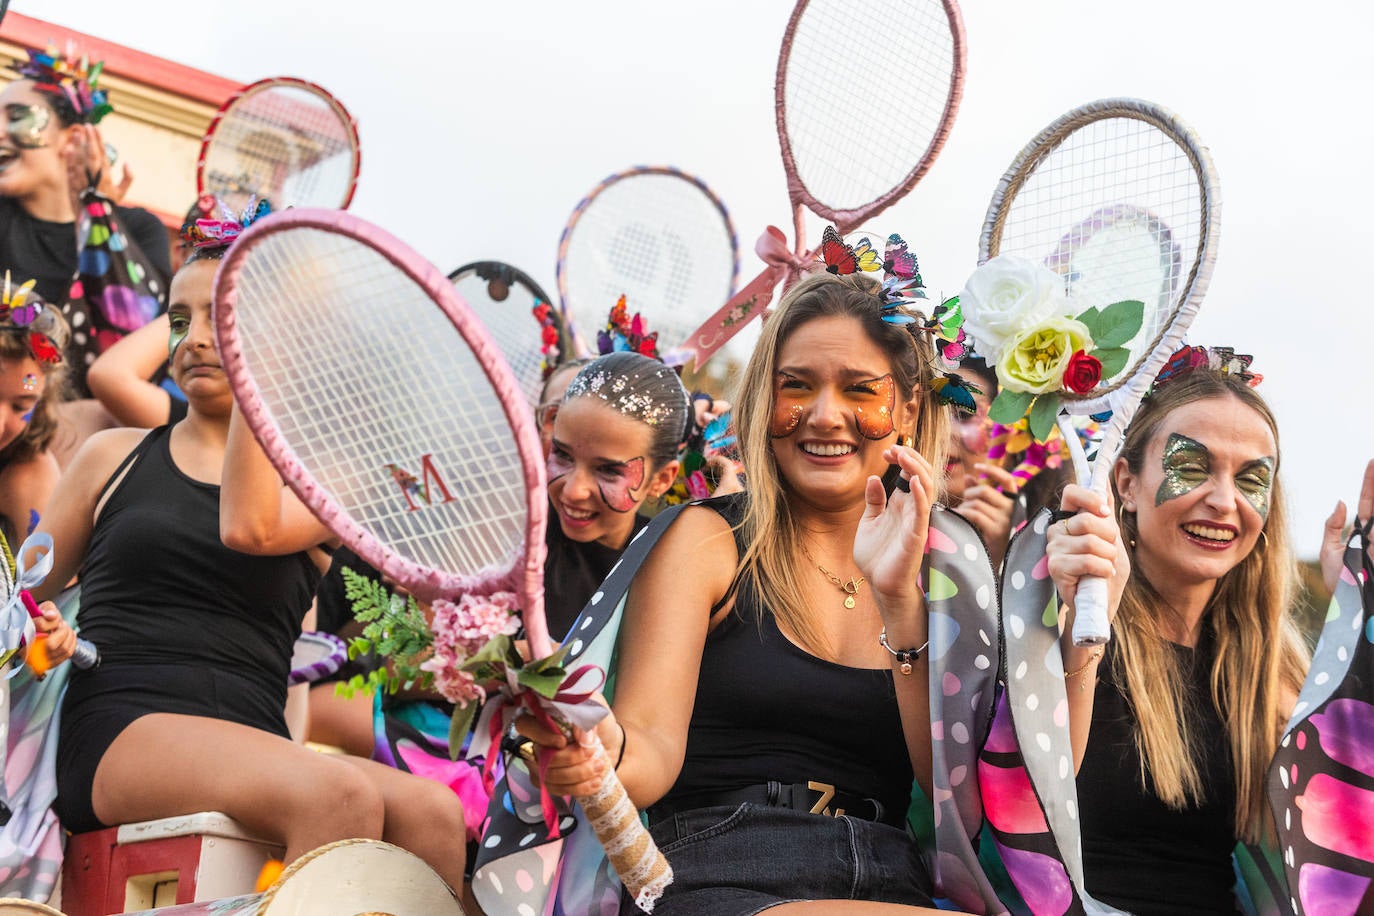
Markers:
{"x": 1260, "y": 654}
{"x": 770, "y": 528}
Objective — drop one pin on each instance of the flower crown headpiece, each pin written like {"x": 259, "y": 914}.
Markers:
{"x": 23, "y": 310}
{"x": 624, "y": 333}
{"x": 72, "y": 80}
{"x": 902, "y": 285}
{"x": 220, "y": 233}
{"x": 1218, "y": 359}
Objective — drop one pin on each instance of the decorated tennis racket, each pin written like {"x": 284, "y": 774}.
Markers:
{"x": 403, "y": 430}
{"x": 862, "y": 112}
{"x": 521, "y": 318}
{"x": 284, "y": 139}
{"x": 656, "y": 235}
{"x": 1121, "y": 199}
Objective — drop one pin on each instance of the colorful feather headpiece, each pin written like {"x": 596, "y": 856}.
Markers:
{"x": 220, "y": 233}
{"x": 69, "y": 81}
{"x": 624, "y": 333}
{"x": 1218, "y": 359}
{"x": 23, "y": 310}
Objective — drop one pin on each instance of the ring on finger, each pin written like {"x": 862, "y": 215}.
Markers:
{"x": 903, "y": 483}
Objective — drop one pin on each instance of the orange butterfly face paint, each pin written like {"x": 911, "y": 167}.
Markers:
{"x": 870, "y": 400}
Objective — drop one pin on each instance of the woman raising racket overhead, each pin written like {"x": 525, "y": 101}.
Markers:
{"x": 185, "y": 712}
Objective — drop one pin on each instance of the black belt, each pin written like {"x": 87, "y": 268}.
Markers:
{"x": 813, "y": 797}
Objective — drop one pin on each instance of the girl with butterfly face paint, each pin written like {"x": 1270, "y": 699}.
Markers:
{"x": 614, "y": 446}
{"x": 1205, "y": 661}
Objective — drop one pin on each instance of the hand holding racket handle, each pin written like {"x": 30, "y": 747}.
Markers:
{"x": 85, "y": 656}
{"x": 614, "y": 819}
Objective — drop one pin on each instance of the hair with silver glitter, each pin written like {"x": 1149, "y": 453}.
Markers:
{"x": 642, "y": 389}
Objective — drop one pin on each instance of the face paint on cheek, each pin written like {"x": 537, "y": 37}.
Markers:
{"x": 558, "y": 466}
{"x": 617, "y": 490}
{"x": 27, "y": 417}
{"x": 1185, "y": 468}
{"x": 1257, "y": 486}
{"x": 873, "y": 416}
{"x": 176, "y": 339}
{"x": 33, "y": 522}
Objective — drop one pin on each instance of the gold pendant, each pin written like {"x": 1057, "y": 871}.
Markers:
{"x": 906, "y": 667}
{"x": 849, "y": 602}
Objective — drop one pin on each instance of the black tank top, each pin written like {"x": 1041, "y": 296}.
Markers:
{"x": 158, "y": 585}
{"x": 768, "y": 710}
{"x": 1139, "y": 854}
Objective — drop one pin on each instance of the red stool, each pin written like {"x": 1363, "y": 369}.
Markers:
{"x": 159, "y": 863}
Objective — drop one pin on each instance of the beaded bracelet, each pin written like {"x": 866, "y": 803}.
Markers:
{"x": 1092, "y": 660}
{"x": 907, "y": 657}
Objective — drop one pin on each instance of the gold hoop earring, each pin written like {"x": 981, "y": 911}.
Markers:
{"x": 1264, "y": 536}
{"x": 906, "y": 441}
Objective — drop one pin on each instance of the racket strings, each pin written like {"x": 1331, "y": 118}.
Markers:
{"x": 1118, "y": 208}
{"x": 283, "y": 142}
{"x": 346, "y": 353}
{"x": 512, "y": 326}
{"x": 659, "y": 240}
{"x": 865, "y": 94}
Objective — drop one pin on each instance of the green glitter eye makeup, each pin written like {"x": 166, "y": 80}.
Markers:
{"x": 1256, "y": 484}
{"x": 1186, "y": 466}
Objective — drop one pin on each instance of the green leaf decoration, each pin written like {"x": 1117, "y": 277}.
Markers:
{"x": 1119, "y": 322}
{"x": 459, "y": 726}
{"x": 1009, "y": 406}
{"x": 1113, "y": 359}
{"x": 942, "y": 587}
{"x": 1090, "y": 318}
{"x": 1042, "y": 416}
{"x": 393, "y": 627}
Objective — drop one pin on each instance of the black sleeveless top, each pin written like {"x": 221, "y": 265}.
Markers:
{"x": 573, "y": 571}
{"x": 768, "y": 710}
{"x": 158, "y": 585}
{"x": 1139, "y": 854}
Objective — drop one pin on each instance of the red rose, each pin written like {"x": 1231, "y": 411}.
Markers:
{"x": 1082, "y": 373}
{"x": 549, "y": 335}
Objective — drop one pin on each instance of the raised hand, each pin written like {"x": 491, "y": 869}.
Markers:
{"x": 1334, "y": 536}
{"x": 1087, "y": 543}
{"x": 891, "y": 538}
{"x": 988, "y": 504}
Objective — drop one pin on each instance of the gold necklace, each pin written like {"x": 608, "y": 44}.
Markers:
{"x": 850, "y": 588}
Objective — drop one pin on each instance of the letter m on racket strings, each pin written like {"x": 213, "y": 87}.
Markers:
{"x": 422, "y": 487}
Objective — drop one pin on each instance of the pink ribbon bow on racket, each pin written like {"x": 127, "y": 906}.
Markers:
{"x": 715, "y": 331}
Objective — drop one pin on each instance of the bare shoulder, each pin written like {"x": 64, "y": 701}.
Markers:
{"x": 40, "y": 471}
{"x": 100, "y": 455}
{"x": 698, "y": 532}
{"x": 696, "y": 556}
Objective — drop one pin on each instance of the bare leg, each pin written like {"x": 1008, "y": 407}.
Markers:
{"x": 164, "y": 765}
{"x": 343, "y": 722}
{"x": 422, "y": 816}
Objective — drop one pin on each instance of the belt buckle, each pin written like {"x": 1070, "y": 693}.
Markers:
{"x": 822, "y": 805}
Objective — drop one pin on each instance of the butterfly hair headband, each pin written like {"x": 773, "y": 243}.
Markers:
{"x": 220, "y": 233}
{"x": 1217, "y": 359}
{"x": 902, "y": 285}
{"x": 23, "y": 310}
{"x": 70, "y": 81}
{"x": 623, "y": 333}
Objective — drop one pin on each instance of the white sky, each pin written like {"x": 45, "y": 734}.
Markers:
{"x": 483, "y": 124}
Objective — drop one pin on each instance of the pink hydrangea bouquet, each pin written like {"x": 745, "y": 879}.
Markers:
{"x": 1041, "y": 346}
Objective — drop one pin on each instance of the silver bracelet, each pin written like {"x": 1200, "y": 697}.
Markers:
{"x": 907, "y": 657}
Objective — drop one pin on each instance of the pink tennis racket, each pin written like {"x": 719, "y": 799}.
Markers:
{"x": 865, "y": 100}
{"x": 1120, "y": 198}
{"x": 284, "y": 139}
{"x": 656, "y": 235}
{"x": 507, "y": 302}
{"x": 388, "y": 409}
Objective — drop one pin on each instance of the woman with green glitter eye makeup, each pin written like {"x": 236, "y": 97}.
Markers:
{"x": 1174, "y": 725}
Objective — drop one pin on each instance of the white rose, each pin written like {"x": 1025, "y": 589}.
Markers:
{"x": 1006, "y": 296}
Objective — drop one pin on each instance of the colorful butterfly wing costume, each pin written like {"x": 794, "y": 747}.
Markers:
{"x": 1321, "y": 783}
{"x": 519, "y": 865}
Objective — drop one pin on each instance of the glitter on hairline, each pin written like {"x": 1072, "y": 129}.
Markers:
{"x": 636, "y": 406}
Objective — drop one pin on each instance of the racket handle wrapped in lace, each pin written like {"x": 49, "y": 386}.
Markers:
{"x": 632, "y": 851}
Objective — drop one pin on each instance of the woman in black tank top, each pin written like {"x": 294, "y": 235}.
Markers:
{"x": 771, "y": 704}
{"x": 184, "y": 713}
{"x": 1174, "y": 727}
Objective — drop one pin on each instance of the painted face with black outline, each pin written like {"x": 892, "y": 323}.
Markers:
{"x": 1204, "y": 491}
{"x": 599, "y": 471}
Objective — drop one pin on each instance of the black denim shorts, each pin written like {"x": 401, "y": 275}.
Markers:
{"x": 738, "y": 861}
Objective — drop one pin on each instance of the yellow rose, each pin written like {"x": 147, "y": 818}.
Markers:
{"x": 1034, "y": 360}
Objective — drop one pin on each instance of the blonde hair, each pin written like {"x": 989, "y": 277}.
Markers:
{"x": 770, "y": 528}
{"x": 1260, "y": 654}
